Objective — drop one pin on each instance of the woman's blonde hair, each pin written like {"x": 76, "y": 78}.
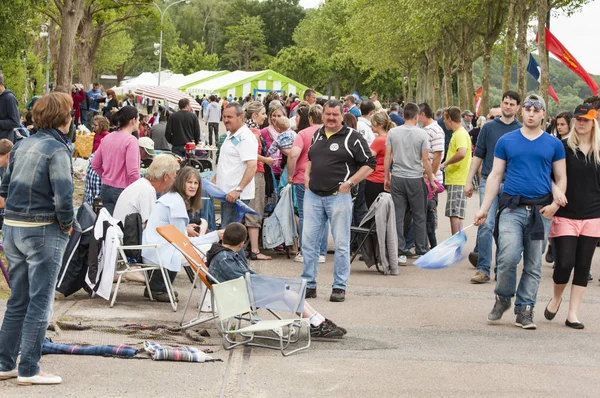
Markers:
{"x": 382, "y": 119}
{"x": 252, "y": 107}
{"x": 185, "y": 174}
{"x": 573, "y": 142}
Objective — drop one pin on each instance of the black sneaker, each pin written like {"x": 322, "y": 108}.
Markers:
{"x": 327, "y": 330}
{"x": 525, "y": 318}
{"x": 473, "y": 258}
{"x": 311, "y": 292}
{"x": 337, "y": 295}
{"x": 162, "y": 297}
{"x": 500, "y": 307}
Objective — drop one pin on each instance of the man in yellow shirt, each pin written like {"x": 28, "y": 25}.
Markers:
{"x": 456, "y": 166}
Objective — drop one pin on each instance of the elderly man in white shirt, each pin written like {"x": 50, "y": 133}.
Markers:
{"x": 237, "y": 163}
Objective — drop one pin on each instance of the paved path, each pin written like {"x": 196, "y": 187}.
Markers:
{"x": 422, "y": 333}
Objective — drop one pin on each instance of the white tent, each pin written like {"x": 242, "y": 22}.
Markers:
{"x": 211, "y": 86}
{"x": 174, "y": 81}
{"x": 199, "y": 77}
{"x": 145, "y": 79}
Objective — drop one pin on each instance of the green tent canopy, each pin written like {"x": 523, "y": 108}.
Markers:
{"x": 241, "y": 83}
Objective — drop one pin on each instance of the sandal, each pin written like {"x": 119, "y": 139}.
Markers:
{"x": 259, "y": 256}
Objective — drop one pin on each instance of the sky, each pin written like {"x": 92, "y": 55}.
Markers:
{"x": 578, "y": 33}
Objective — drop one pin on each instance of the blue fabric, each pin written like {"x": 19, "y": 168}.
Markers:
{"x": 354, "y": 111}
{"x": 280, "y": 227}
{"x": 214, "y": 192}
{"x": 207, "y": 212}
{"x": 34, "y": 255}
{"x": 121, "y": 350}
{"x": 514, "y": 242}
{"x": 396, "y": 118}
{"x": 38, "y": 184}
{"x": 337, "y": 209}
{"x": 528, "y": 163}
{"x": 94, "y": 96}
{"x": 488, "y": 137}
{"x": 447, "y": 135}
{"x": 447, "y": 253}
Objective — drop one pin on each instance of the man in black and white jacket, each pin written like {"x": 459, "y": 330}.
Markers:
{"x": 338, "y": 160}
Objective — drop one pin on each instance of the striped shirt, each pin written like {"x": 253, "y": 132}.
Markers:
{"x": 436, "y": 144}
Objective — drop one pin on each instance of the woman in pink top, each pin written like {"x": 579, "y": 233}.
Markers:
{"x": 117, "y": 160}
{"x": 296, "y": 164}
{"x": 270, "y": 133}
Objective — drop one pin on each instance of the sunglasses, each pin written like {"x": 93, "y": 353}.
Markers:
{"x": 537, "y": 105}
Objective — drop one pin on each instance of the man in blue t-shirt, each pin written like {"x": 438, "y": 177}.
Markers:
{"x": 484, "y": 154}
{"x": 524, "y": 159}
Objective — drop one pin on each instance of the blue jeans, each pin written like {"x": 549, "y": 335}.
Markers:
{"x": 34, "y": 255}
{"x": 317, "y": 211}
{"x": 109, "y": 196}
{"x": 179, "y": 150}
{"x": 229, "y": 213}
{"x": 299, "y": 188}
{"x": 485, "y": 233}
{"x": 513, "y": 241}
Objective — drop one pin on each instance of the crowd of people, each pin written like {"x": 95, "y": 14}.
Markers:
{"x": 339, "y": 157}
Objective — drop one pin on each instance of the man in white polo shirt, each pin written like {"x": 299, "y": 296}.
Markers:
{"x": 237, "y": 163}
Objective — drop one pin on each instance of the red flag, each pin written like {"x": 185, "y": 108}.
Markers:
{"x": 556, "y": 48}
{"x": 477, "y": 100}
{"x": 552, "y": 93}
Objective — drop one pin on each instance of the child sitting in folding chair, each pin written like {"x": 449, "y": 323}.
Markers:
{"x": 226, "y": 263}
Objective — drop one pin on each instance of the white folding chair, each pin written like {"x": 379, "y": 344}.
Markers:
{"x": 233, "y": 302}
{"x": 124, "y": 267}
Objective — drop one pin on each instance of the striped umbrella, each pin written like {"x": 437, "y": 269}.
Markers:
{"x": 169, "y": 94}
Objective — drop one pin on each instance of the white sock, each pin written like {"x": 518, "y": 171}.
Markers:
{"x": 316, "y": 319}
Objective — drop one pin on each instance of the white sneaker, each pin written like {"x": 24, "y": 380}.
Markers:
{"x": 402, "y": 260}
{"x": 321, "y": 259}
{"x": 9, "y": 374}
{"x": 299, "y": 258}
{"x": 40, "y": 378}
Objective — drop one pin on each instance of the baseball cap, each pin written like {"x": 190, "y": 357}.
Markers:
{"x": 585, "y": 111}
{"x": 468, "y": 113}
{"x": 147, "y": 144}
{"x": 532, "y": 99}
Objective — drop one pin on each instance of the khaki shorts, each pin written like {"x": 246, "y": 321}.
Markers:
{"x": 258, "y": 203}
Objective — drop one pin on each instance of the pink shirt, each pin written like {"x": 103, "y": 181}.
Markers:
{"x": 117, "y": 160}
{"x": 302, "y": 141}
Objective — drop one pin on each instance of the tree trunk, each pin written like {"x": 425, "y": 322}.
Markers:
{"x": 485, "y": 81}
{"x": 433, "y": 80}
{"x": 469, "y": 86}
{"x": 509, "y": 44}
{"x": 85, "y": 64}
{"x": 409, "y": 90}
{"x": 524, "y": 12}
{"x": 448, "y": 96}
{"x": 422, "y": 81}
{"x": 460, "y": 79}
{"x": 71, "y": 13}
{"x": 542, "y": 9}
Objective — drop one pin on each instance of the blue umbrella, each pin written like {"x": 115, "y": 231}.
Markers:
{"x": 447, "y": 253}
{"x": 216, "y": 193}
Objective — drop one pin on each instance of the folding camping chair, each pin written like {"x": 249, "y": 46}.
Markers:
{"x": 233, "y": 301}
{"x": 125, "y": 267}
{"x": 191, "y": 253}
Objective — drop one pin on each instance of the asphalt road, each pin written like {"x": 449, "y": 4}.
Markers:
{"x": 422, "y": 333}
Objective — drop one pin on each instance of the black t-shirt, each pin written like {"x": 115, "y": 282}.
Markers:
{"x": 337, "y": 158}
{"x": 583, "y": 187}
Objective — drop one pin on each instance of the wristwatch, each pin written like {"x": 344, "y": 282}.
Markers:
{"x": 238, "y": 189}
{"x": 352, "y": 185}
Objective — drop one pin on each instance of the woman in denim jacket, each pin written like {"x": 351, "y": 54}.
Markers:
{"x": 38, "y": 188}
